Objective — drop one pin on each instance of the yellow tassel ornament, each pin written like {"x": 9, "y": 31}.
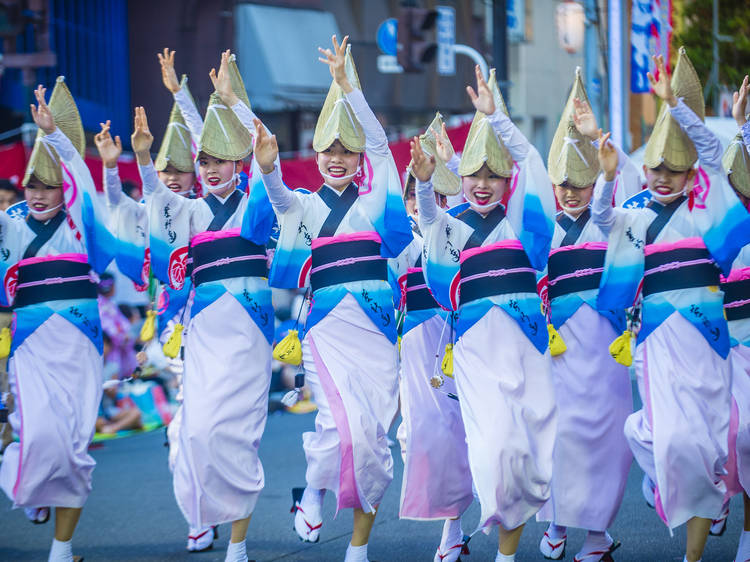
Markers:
{"x": 556, "y": 343}
{"x": 447, "y": 364}
{"x": 289, "y": 349}
{"x": 149, "y": 326}
{"x": 5, "y": 339}
{"x": 620, "y": 349}
{"x": 174, "y": 343}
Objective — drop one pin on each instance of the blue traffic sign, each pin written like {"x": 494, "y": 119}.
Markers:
{"x": 386, "y": 36}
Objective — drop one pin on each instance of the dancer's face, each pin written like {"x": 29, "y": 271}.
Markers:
{"x": 179, "y": 182}
{"x": 215, "y": 172}
{"x": 339, "y": 164}
{"x": 484, "y": 187}
{"x": 573, "y": 198}
{"x": 41, "y": 197}
{"x": 668, "y": 184}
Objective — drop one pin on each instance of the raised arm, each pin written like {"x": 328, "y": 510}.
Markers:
{"x": 266, "y": 155}
{"x": 109, "y": 151}
{"x": 601, "y": 208}
{"x": 423, "y": 168}
{"x": 184, "y": 101}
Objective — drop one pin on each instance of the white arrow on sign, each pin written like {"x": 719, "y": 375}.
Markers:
{"x": 388, "y": 64}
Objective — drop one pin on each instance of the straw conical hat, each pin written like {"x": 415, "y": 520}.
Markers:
{"x": 669, "y": 144}
{"x": 444, "y": 181}
{"x": 44, "y": 162}
{"x": 483, "y": 145}
{"x": 572, "y": 158}
{"x": 175, "y": 148}
{"x": 236, "y": 79}
{"x": 223, "y": 136}
{"x": 736, "y": 162}
{"x": 337, "y": 119}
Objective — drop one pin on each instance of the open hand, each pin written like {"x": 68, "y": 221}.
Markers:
{"x": 109, "y": 150}
{"x": 607, "y": 156}
{"x": 423, "y": 165}
{"x": 141, "y": 139}
{"x": 585, "y": 120}
{"x": 443, "y": 144}
{"x": 740, "y": 103}
{"x": 41, "y": 113}
{"x": 266, "y": 148}
{"x": 221, "y": 81}
{"x": 168, "y": 75}
{"x": 482, "y": 99}
{"x": 663, "y": 86}
{"x": 336, "y": 61}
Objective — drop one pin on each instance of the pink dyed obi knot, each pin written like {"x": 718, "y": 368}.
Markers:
{"x": 346, "y": 258}
{"x": 225, "y": 254}
{"x": 737, "y": 294}
{"x": 54, "y": 278}
{"x": 573, "y": 269}
{"x": 493, "y": 270}
{"x": 682, "y": 265}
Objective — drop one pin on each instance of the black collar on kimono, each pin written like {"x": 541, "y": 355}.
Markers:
{"x": 482, "y": 225}
{"x": 222, "y": 211}
{"x": 573, "y": 228}
{"x": 339, "y": 205}
{"x": 43, "y": 231}
{"x": 663, "y": 214}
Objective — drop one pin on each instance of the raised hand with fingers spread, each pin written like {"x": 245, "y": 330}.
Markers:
{"x": 663, "y": 86}
{"x": 336, "y": 61}
{"x": 739, "y": 103}
{"x": 424, "y": 164}
{"x": 585, "y": 120}
{"x": 442, "y": 144}
{"x": 41, "y": 113}
{"x": 222, "y": 82}
{"x": 266, "y": 149}
{"x": 482, "y": 99}
{"x": 141, "y": 139}
{"x": 109, "y": 150}
{"x": 168, "y": 74}
{"x": 607, "y": 156}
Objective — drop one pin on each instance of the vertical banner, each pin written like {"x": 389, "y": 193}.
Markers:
{"x": 650, "y": 34}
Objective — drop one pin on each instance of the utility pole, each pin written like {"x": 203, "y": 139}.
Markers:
{"x": 500, "y": 47}
{"x": 713, "y": 80}
{"x": 591, "y": 59}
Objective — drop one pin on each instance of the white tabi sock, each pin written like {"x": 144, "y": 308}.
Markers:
{"x": 556, "y": 532}
{"x": 595, "y": 541}
{"x": 61, "y": 551}
{"x": 686, "y": 560}
{"x": 236, "y": 552}
{"x": 505, "y": 557}
{"x": 356, "y": 553}
{"x": 312, "y": 499}
{"x": 743, "y": 549}
{"x": 452, "y": 534}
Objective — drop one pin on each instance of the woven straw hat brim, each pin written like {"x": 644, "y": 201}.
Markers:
{"x": 572, "y": 159}
{"x": 44, "y": 162}
{"x": 175, "y": 148}
{"x": 484, "y": 147}
{"x": 736, "y": 162}
{"x": 337, "y": 120}
{"x": 669, "y": 144}
{"x": 223, "y": 136}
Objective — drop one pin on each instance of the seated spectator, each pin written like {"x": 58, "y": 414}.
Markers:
{"x": 8, "y": 194}
{"x": 115, "y": 413}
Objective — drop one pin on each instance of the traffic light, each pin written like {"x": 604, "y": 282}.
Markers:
{"x": 414, "y": 49}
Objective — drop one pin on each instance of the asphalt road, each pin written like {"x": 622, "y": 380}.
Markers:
{"x": 132, "y": 515}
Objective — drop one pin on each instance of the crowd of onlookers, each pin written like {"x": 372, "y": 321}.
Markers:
{"x": 141, "y": 386}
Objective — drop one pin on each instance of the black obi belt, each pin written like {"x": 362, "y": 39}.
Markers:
{"x": 574, "y": 270}
{"x": 224, "y": 257}
{"x": 346, "y": 258}
{"x": 495, "y": 271}
{"x": 680, "y": 268}
{"x": 418, "y": 296}
{"x": 53, "y": 280}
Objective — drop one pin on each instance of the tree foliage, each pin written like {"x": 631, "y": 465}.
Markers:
{"x": 694, "y": 30}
